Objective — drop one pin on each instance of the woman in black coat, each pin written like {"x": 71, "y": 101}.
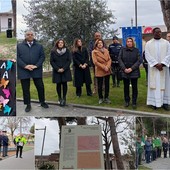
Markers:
{"x": 60, "y": 60}
{"x": 129, "y": 61}
{"x": 81, "y": 68}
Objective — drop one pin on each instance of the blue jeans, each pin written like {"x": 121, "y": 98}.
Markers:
{"x": 148, "y": 156}
{"x": 5, "y": 150}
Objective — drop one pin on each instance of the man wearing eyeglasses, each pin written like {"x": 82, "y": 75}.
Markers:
{"x": 30, "y": 58}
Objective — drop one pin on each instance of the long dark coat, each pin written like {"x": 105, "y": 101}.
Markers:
{"x": 81, "y": 75}
{"x": 58, "y": 61}
{"x": 26, "y": 55}
{"x": 129, "y": 58}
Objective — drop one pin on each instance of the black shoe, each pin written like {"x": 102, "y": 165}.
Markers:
{"x": 154, "y": 107}
{"x": 28, "y": 108}
{"x": 106, "y": 100}
{"x": 16, "y": 156}
{"x": 63, "y": 102}
{"x": 89, "y": 94}
{"x": 44, "y": 105}
{"x": 126, "y": 104}
{"x": 20, "y": 156}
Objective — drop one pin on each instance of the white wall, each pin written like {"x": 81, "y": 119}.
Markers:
{"x": 4, "y": 21}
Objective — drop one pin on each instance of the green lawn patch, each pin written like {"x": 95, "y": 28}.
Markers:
{"x": 116, "y": 95}
{"x": 7, "y": 41}
{"x": 141, "y": 167}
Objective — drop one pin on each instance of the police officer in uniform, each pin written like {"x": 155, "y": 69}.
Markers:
{"x": 114, "y": 49}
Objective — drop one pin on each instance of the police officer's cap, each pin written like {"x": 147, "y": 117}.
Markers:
{"x": 115, "y": 38}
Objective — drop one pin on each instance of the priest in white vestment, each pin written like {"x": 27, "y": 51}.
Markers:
{"x": 157, "y": 52}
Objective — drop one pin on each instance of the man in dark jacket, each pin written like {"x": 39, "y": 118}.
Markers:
{"x": 97, "y": 35}
{"x": 0, "y": 141}
{"x": 114, "y": 50}
{"x": 30, "y": 58}
{"x": 5, "y": 142}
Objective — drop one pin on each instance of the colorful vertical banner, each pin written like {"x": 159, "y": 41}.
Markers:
{"x": 7, "y": 88}
{"x": 135, "y": 33}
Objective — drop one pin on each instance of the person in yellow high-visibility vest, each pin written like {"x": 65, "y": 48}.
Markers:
{"x": 20, "y": 142}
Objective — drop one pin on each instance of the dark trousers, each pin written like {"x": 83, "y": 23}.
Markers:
{"x": 59, "y": 87}
{"x": 19, "y": 150}
{"x": 88, "y": 90}
{"x": 5, "y": 151}
{"x": 165, "y": 153}
{"x": 148, "y": 156}
{"x": 134, "y": 82}
{"x": 154, "y": 155}
{"x": 38, "y": 82}
{"x": 94, "y": 79}
{"x": 158, "y": 152}
{"x": 100, "y": 85}
{"x": 115, "y": 74}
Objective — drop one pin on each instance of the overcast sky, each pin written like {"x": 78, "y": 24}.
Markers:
{"x": 149, "y": 13}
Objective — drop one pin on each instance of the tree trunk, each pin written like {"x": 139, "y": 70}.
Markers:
{"x": 107, "y": 157}
{"x": 165, "y": 6}
{"x": 81, "y": 120}
{"x": 115, "y": 144}
{"x": 154, "y": 130}
{"x": 14, "y": 15}
{"x": 61, "y": 122}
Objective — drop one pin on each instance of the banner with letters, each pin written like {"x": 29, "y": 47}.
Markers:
{"x": 7, "y": 88}
{"x": 135, "y": 33}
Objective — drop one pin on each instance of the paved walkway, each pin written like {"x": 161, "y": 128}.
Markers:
{"x": 159, "y": 164}
{"x": 77, "y": 110}
{"x": 25, "y": 163}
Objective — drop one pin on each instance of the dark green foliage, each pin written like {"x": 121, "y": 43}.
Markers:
{"x": 47, "y": 166}
{"x": 69, "y": 19}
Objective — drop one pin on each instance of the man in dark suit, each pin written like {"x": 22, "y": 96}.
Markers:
{"x": 0, "y": 141}
{"x": 5, "y": 142}
{"x": 30, "y": 58}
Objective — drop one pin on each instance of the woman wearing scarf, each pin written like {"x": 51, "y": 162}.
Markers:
{"x": 60, "y": 60}
{"x": 102, "y": 62}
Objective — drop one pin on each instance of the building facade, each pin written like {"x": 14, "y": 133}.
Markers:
{"x": 6, "y": 21}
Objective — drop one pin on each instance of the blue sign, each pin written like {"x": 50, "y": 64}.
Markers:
{"x": 135, "y": 33}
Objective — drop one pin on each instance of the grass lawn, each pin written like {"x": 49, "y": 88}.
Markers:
{"x": 6, "y": 41}
{"x": 141, "y": 167}
{"x": 116, "y": 95}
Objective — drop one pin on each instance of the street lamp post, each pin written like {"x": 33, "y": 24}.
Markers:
{"x": 136, "y": 13}
{"x": 43, "y": 141}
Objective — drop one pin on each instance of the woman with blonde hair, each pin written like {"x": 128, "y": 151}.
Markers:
{"x": 102, "y": 62}
{"x": 129, "y": 61}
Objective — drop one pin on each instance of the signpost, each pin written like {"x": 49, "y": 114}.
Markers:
{"x": 81, "y": 147}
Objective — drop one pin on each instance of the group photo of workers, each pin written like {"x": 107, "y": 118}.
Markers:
{"x": 152, "y": 140}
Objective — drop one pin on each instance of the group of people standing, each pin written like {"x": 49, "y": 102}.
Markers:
{"x": 121, "y": 62}
{"x": 151, "y": 148}
{"x": 4, "y": 142}
{"x": 19, "y": 142}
